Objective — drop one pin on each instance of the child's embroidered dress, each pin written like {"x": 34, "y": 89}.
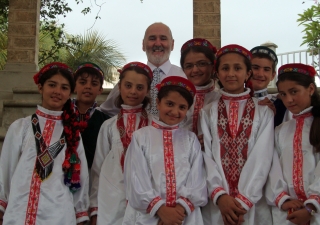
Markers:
{"x": 32, "y": 189}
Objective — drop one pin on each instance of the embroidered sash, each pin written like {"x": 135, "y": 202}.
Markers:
{"x": 171, "y": 192}
{"x": 234, "y": 151}
{"x": 125, "y": 138}
{"x": 45, "y": 155}
{"x": 297, "y": 172}
{"x": 198, "y": 105}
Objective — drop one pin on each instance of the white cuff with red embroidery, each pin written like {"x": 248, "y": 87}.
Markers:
{"x": 93, "y": 211}
{"x": 244, "y": 201}
{"x": 314, "y": 200}
{"x": 82, "y": 216}
{"x": 154, "y": 205}
{"x": 282, "y": 197}
{"x": 217, "y": 193}
{"x": 3, "y": 205}
{"x": 187, "y": 205}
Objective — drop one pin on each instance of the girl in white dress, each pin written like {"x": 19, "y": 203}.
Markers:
{"x": 295, "y": 193}
{"x": 164, "y": 175}
{"x": 238, "y": 139}
{"x": 197, "y": 61}
{"x": 107, "y": 195}
{"x": 43, "y": 168}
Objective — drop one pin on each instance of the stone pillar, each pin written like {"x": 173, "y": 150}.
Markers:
{"x": 22, "y": 52}
{"x": 207, "y": 21}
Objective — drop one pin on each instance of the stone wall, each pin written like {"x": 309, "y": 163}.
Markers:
{"x": 207, "y": 21}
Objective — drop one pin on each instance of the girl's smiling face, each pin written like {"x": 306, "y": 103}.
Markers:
{"x": 55, "y": 92}
{"x": 133, "y": 88}
{"x": 233, "y": 73}
{"x": 295, "y": 97}
{"x": 172, "y": 108}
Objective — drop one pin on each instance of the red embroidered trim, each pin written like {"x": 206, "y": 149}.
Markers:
{"x": 315, "y": 197}
{"x": 233, "y": 117}
{"x": 191, "y": 206}
{"x": 33, "y": 201}
{"x": 126, "y": 136}
{"x": 245, "y": 200}
{"x": 234, "y": 151}
{"x": 47, "y": 131}
{"x": 198, "y": 105}
{"x": 51, "y": 117}
{"x": 153, "y": 203}
{"x": 244, "y": 97}
{"x": 93, "y": 209}
{"x": 81, "y": 214}
{"x": 297, "y": 171}
{"x": 158, "y": 126}
{"x": 279, "y": 197}
{"x": 3, "y": 204}
{"x": 215, "y": 191}
{"x": 169, "y": 169}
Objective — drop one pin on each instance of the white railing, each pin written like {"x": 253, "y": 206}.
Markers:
{"x": 310, "y": 57}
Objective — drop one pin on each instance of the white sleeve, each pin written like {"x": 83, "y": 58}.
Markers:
{"x": 257, "y": 166}
{"x": 314, "y": 189}
{"x": 276, "y": 188}
{"x": 137, "y": 180}
{"x": 194, "y": 192}
{"x": 108, "y": 106}
{"x": 10, "y": 156}
{"x": 213, "y": 177}
{"x": 81, "y": 197}
{"x": 103, "y": 147}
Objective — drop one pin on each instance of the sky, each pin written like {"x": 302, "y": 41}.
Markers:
{"x": 245, "y": 22}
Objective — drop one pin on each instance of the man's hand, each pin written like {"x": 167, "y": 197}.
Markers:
{"x": 170, "y": 215}
{"x": 299, "y": 217}
{"x": 292, "y": 204}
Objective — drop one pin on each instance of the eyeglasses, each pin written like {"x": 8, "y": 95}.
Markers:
{"x": 200, "y": 64}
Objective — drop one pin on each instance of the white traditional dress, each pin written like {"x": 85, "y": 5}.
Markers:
{"x": 107, "y": 195}
{"x": 164, "y": 165}
{"x": 204, "y": 96}
{"x": 299, "y": 163}
{"x": 238, "y": 140}
{"x": 24, "y": 196}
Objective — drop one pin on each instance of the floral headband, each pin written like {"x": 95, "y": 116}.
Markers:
{"x": 298, "y": 68}
{"x": 90, "y": 65}
{"x": 234, "y": 49}
{"x": 177, "y": 81}
{"x": 198, "y": 42}
{"x": 137, "y": 64}
{"x": 265, "y": 50}
{"x": 50, "y": 66}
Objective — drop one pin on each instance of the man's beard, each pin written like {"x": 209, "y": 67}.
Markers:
{"x": 157, "y": 59}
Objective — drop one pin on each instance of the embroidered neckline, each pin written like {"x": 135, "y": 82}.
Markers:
{"x": 45, "y": 115}
{"x": 235, "y": 98}
{"x": 304, "y": 115}
{"x": 131, "y": 110}
{"x": 125, "y": 139}
{"x": 158, "y": 126}
{"x": 260, "y": 94}
{"x": 204, "y": 91}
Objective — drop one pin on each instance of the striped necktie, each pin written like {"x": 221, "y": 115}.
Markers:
{"x": 154, "y": 91}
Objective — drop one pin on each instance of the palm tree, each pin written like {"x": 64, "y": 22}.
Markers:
{"x": 3, "y": 49}
{"x": 93, "y": 47}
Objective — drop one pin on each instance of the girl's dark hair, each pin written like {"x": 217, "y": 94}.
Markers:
{"x": 247, "y": 62}
{"x": 89, "y": 72}
{"x": 198, "y": 49}
{"x": 306, "y": 81}
{"x": 165, "y": 90}
{"x": 54, "y": 71}
{"x": 119, "y": 101}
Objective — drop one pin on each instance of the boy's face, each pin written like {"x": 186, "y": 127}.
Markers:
{"x": 262, "y": 73}
{"x": 87, "y": 88}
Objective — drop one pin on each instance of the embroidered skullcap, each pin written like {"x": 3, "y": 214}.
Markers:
{"x": 137, "y": 64}
{"x": 89, "y": 65}
{"x": 53, "y": 65}
{"x": 265, "y": 50}
{"x": 297, "y": 68}
{"x": 177, "y": 81}
{"x": 234, "y": 49}
{"x": 198, "y": 42}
